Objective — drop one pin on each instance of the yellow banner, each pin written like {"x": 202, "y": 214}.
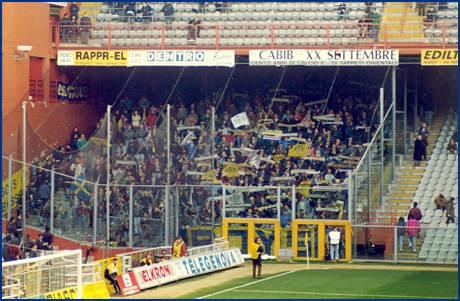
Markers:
{"x": 439, "y": 57}
{"x": 208, "y": 177}
{"x": 16, "y": 190}
{"x": 231, "y": 171}
{"x": 298, "y": 150}
{"x": 100, "y": 58}
{"x": 95, "y": 290}
{"x": 304, "y": 188}
{"x": 278, "y": 158}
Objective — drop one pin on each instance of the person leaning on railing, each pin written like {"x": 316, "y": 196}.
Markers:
{"x": 431, "y": 16}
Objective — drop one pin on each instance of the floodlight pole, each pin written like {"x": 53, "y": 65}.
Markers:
{"x": 168, "y": 176}
{"x": 212, "y": 177}
{"x": 107, "y": 201}
{"x": 24, "y": 157}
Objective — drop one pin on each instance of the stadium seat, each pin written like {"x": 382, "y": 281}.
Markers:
{"x": 433, "y": 254}
{"x": 423, "y": 254}
{"x": 435, "y": 247}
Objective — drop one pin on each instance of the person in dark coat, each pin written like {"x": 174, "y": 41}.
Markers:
{"x": 64, "y": 25}
{"x": 419, "y": 150}
{"x": 450, "y": 211}
{"x": 417, "y": 213}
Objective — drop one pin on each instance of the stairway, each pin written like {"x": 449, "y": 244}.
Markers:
{"x": 404, "y": 187}
{"x": 402, "y": 23}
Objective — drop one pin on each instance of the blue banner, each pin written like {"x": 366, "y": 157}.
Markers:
{"x": 72, "y": 92}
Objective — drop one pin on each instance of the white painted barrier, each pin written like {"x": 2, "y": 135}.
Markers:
{"x": 172, "y": 270}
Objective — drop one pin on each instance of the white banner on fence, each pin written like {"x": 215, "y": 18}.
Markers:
{"x": 185, "y": 267}
{"x": 154, "y": 275}
{"x": 352, "y": 57}
{"x": 208, "y": 263}
{"x": 225, "y": 58}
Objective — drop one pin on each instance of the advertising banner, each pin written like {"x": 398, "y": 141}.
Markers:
{"x": 211, "y": 58}
{"x": 128, "y": 284}
{"x": 71, "y": 92}
{"x": 224, "y": 58}
{"x": 435, "y": 57}
{"x": 92, "y": 58}
{"x": 151, "y": 276}
{"x": 352, "y": 57}
{"x": 96, "y": 290}
{"x": 202, "y": 264}
{"x": 16, "y": 190}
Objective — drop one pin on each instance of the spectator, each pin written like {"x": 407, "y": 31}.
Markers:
{"x": 63, "y": 212}
{"x": 48, "y": 239}
{"x": 85, "y": 26}
{"x": 194, "y": 28}
{"x": 431, "y": 16}
{"x": 413, "y": 229}
{"x": 415, "y": 212}
{"x": 342, "y": 11}
{"x": 82, "y": 142}
{"x": 334, "y": 241}
{"x": 452, "y": 147}
{"x": 429, "y": 107}
{"x": 33, "y": 251}
{"x": 73, "y": 30}
{"x": 28, "y": 243}
{"x": 441, "y": 202}
{"x": 11, "y": 227}
{"x": 14, "y": 252}
{"x": 147, "y": 260}
{"x": 146, "y": 11}
{"x": 111, "y": 273}
{"x": 401, "y": 230}
{"x": 168, "y": 11}
{"x": 58, "y": 224}
{"x": 376, "y": 24}
{"x": 40, "y": 244}
{"x": 130, "y": 12}
{"x": 18, "y": 233}
{"x": 44, "y": 193}
{"x": 363, "y": 25}
{"x": 74, "y": 9}
{"x": 122, "y": 242}
{"x": 419, "y": 150}
{"x": 450, "y": 211}
{"x": 64, "y": 28}
{"x": 82, "y": 217}
{"x": 455, "y": 136}
{"x": 286, "y": 219}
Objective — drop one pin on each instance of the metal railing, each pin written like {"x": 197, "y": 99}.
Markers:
{"x": 324, "y": 34}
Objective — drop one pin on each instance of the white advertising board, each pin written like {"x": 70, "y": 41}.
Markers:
{"x": 172, "y": 270}
{"x": 224, "y": 58}
{"x": 352, "y": 57}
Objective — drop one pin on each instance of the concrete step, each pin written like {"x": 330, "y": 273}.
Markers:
{"x": 403, "y": 194}
{"x": 408, "y": 183}
{"x": 411, "y": 176}
{"x": 406, "y": 189}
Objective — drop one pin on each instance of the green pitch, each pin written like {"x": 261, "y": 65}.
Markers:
{"x": 339, "y": 284}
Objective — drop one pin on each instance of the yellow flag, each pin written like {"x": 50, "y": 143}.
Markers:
{"x": 231, "y": 171}
{"x": 304, "y": 188}
{"x": 278, "y": 158}
{"x": 298, "y": 150}
{"x": 208, "y": 177}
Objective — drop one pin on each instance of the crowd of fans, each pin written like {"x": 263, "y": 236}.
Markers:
{"x": 138, "y": 157}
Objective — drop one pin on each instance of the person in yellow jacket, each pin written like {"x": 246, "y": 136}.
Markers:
{"x": 111, "y": 272}
{"x": 178, "y": 249}
{"x": 147, "y": 260}
{"x": 255, "y": 250}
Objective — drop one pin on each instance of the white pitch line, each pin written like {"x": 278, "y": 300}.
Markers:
{"x": 336, "y": 294}
{"x": 247, "y": 284}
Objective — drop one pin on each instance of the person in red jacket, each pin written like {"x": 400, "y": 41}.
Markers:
{"x": 415, "y": 212}
{"x": 413, "y": 229}
{"x": 14, "y": 252}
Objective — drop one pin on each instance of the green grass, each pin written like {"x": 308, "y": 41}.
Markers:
{"x": 339, "y": 284}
